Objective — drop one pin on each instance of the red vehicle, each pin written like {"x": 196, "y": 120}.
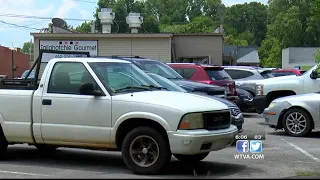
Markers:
{"x": 287, "y": 72}
{"x": 208, "y": 74}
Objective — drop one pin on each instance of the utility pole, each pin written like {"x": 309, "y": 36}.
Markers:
{"x": 12, "y": 63}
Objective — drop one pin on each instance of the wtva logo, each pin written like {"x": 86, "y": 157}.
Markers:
{"x": 243, "y": 146}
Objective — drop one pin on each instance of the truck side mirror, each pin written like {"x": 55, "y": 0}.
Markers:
{"x": 88, "y": 89}
{"x": 314, "y": 74}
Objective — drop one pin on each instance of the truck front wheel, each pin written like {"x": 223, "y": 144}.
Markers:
{"x": 191, "y": 158}
{"x": 145, "y": 151}
{"x": 3, "y": 146}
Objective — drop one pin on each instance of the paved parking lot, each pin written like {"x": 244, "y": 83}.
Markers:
{"x": 283, "y": 157}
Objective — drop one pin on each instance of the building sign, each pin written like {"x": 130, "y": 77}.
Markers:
{"x": 70, "y": 45}
{"x": 46, "y": 57}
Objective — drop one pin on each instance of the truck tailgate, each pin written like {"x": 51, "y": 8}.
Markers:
{"x": 15, "y": 114}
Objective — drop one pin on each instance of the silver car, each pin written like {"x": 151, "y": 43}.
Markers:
{"x": 246, "y": 76}
{"x": 298, "y": 115}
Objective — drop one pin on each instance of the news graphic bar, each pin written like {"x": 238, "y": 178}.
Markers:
{"x": 251, "y": 136}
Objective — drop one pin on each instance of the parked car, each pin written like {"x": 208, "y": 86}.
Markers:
{"x": 166, "y": 71}
{"x": 297, "y": 115}
{"x": 287, "y": 72}
{"x": 245, "y": 101}
{"x": 25, "y": 73}
{"x": 114, "y": 105}
{"x": 208, "y": 74}
{"x": 270, "y": 89}
{"x": 247, "y": 76}
{"x": 237, "y": 117}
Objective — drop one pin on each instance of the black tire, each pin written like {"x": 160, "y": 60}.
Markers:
{"x": 308, "y": 124}
{"x": 3, "y": 145}
{"x": 46, "y": 148}
{"x": 160, "y": 141}
{"x": 191, "y": 158}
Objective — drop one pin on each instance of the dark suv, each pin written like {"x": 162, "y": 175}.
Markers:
{"x": 162, "y": 69}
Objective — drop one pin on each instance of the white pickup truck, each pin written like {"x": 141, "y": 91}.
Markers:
{"x": 111, "y": 104}
{"x": 269, "y": 89}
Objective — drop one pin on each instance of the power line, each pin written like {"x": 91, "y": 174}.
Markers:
{"x": 39, "y": 17}
{"x": 21, "y": 26}
{"x": 86, "y": 1}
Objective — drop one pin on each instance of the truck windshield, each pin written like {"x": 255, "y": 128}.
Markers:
{"x": 123, "y": 77}
{"x": 159, "y": 68}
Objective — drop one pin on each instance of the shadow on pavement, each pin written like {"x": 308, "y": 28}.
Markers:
{"x": 283, "y": 133}
{"x": 112, "y": 162}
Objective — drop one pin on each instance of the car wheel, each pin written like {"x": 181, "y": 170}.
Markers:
{"x": 46, "y": 148}
{"x": 191, "y": 158}
{"x": 296, "y": 122}
{"x": 145, "y": 151}
{"x": 3, "y": 146}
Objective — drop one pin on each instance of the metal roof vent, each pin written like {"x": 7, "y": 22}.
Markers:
{"x": 106, "y": 17}
{"x": 134, "y": 20}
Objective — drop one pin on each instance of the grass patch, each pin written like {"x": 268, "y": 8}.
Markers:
{"x": 306, "y": 173}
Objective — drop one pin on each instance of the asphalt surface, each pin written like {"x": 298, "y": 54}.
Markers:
{"x": 284, "y": 157}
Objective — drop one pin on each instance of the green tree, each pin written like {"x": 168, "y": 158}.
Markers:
{"x": 202, "y": 24}
{"x": 270, "y": 53}
{"x": 28, "y": 48}
{"x": 313, "y": 24}
{"x": 195, "y": 8}
{"x": 230, "y": 39}
{"x": 248, "y": 19}
{"x": 83, "y": 27}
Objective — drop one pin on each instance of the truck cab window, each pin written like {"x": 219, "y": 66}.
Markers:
{"x": 67, "y": 77}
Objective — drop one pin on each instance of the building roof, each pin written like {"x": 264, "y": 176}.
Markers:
{"x": 119, "y": 35}
{"x": 252, "y": 57}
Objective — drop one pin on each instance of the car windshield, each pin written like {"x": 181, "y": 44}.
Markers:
{"x": 159, "y": 68}
{"x": 122, "y": 77}
{"x": 166, "y": 83}
{"x": 267, "y": 74}
{"x": 218, "y": 74}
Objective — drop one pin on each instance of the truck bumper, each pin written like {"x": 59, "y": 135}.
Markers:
{"x": 190, "y": 142}
{"x": 260, "y": 103}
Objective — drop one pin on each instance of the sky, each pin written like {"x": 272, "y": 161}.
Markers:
{"x": 12, "y": 36}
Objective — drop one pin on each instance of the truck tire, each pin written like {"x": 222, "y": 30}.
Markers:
{"x": 294, "y": 118}
{"x": 3, "y": 146}
{"x": 191, "y": 158}
{"x": 46, "y": 148}
{"x": 145, "y": 151}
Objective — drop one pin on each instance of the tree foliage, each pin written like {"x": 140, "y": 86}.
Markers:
{"x": 272, "y": 27}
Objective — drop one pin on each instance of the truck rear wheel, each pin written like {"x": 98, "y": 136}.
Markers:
{"x": 46, "y": 148}
{"x": 145, "y": 151}
{"x": 191, "y": 158}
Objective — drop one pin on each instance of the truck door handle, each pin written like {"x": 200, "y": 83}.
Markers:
{"x": 46, "y": 102}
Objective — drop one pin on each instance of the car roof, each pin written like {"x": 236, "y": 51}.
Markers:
{"x": 90, "y": 59}
{"x": 196, "y": 64}
{"x": 242, "y": 67}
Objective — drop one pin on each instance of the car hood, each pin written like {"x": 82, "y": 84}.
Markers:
{"x": 193, "y": 84}
{"x": 299, "y": 97}
{"x": 185, "y": 102}
{"x": 276, "y": 80}
{"x": 226, "y": 102}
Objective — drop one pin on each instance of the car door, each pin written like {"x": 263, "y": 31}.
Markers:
{"x": 310, "y": 85}
{"x": 69, "y": 117}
